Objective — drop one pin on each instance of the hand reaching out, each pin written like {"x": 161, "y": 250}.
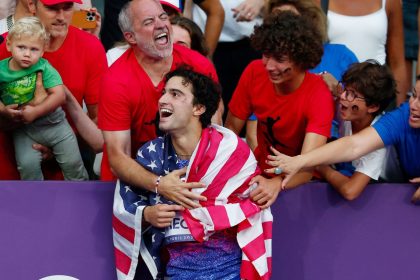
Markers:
{"x": 288, "y": 165}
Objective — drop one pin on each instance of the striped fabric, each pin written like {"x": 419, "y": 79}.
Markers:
{"x": 225, "y": 164}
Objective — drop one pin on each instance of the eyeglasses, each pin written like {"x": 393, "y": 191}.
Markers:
{"x": 350, "y": 95}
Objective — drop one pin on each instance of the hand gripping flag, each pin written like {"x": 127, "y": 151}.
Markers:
{"x": 225, "y": 164}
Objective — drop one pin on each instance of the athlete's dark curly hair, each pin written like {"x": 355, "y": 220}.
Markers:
{"x": 374, "y": 81}
{"x": 287, "y": 34}
{"x": 205, "y": 90}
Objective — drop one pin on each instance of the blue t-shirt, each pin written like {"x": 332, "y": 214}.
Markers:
{"x": 336, "y": 60}
{"x": 393, "y": 128}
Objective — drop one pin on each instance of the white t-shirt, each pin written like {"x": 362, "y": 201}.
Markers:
{"x": 371, "y": 164}
{"x": 232, "y": 30}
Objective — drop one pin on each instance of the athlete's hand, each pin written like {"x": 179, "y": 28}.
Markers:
{"x": 161, "y": 215}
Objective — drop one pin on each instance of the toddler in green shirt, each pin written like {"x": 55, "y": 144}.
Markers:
{"x": 43, "y": 122}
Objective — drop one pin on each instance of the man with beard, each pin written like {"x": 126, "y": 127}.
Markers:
{"x": 130, "y": 93}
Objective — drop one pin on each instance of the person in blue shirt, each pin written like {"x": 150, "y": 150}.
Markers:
{"x": 400, "y": 128}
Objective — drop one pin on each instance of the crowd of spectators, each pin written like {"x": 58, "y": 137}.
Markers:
{"x": 294, "y": 75}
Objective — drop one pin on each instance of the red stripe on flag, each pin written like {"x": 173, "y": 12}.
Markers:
{"x": 231, "y": 167}
{"x": 122, "y": 261}
{"x": 219, "y": 217}
{"x": 195, "y": 227}
{"x": 249, "y": 272}
{"x": 268, "y": 229}
{"x": 122, "y": 229}
{"x": 206, "y": 153}
{"x": 255, "y": 249}
{"x": 249, "y": 208}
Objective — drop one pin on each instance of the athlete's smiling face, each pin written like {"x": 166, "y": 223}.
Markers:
{"x": 176, "y": 109}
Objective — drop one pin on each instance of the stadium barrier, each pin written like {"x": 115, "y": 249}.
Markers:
{"x": 62, "y": 230}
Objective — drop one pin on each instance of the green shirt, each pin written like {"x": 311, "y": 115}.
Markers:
{"x": 18, "y": 87}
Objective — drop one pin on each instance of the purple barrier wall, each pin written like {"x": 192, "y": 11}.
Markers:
{"x": 320, "y": 236}
{"x": 59, "y": 228}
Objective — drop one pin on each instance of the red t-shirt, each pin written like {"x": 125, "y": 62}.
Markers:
{"x": 283, "y": 120}
{"x": 81, "y": 62}
{"x": 129, "y": 100}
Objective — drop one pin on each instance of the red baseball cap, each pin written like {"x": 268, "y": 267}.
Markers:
{"x": 174, "y": 4}
{"x": 54, "y": 2}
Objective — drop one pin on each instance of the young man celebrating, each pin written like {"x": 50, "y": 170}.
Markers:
{"x": 294, "y": 108}
{"x": 225, "y": 236}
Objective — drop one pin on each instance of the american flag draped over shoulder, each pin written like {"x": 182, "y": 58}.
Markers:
{"x": 225, "y": 164}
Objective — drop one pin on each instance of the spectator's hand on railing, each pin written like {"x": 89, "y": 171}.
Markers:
{"x": 173, "y": 188}
{"x": 416, "y": 196}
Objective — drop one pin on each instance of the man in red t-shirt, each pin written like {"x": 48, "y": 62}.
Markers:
{"x": 294, "y": 108}
{"x": 78, "y": 56}
{"x": 130, "y": 92}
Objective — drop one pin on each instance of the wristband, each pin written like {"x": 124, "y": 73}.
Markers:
{"x": 157, "y": 183}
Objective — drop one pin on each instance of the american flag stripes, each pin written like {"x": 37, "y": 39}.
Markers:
{"x": 225, "y": 164}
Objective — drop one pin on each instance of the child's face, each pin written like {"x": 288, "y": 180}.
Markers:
{"x": 353, "y": 104}
{"x": 26, "y": 51}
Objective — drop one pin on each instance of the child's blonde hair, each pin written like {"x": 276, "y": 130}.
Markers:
{"x": 28, "y": 26}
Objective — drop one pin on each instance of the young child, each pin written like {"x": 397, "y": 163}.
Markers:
{"x": 365, "y": 91}
{"x": 43, "y": 122}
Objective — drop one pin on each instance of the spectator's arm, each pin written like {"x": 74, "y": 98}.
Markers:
{"x": 85, "y": 126}
{"x": 395, "y": 48}
{"x": 310, "y": 142}
{"x": 56, "y": 97}
{"x": 214, "y": 24}
{"x": 118, "y": 145}
{"x": 93, "y": 112}
{"x": 348, "y": 187}
{"x": 234, "y": 123}
{"x": 342, "y": 150}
